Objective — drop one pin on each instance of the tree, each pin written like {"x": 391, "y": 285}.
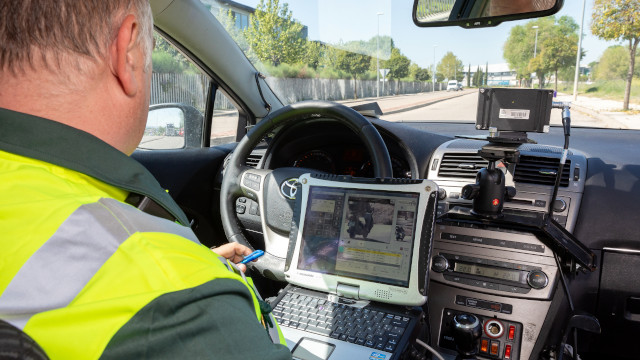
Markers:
{"x": 558, "y": 50}
{"x": 486, "y": 74}
{"x": 518, "y": 49}
{"x": 164, "y": 63}
{"x": 469, "y": 76}
{"x": 228, "y": 21}
{"x": 274, "y": 36}
{"x": 614, "y": 63}
{"x": 619, "y": 20}
{"x": 556, "y": 47}
{"x": 397, "y": 64}
{"x": 314, "y": 52}
{"x": 166, "y": 59}
{"x": 417, "y": 73}
{"x": 478, "y": 77}
{"x": 451, "y": 67}
{"x": 539, "y": 67}
{"x": 354, "y": 64}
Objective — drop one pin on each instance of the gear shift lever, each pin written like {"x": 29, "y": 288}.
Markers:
{"x": 467, "y": 330}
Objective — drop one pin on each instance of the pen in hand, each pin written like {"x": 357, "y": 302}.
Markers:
{"x": 254, "y": 255}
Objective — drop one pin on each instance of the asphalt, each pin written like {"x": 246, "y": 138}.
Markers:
{"x": 406, "y": 102}
{"x": 605, "y": 113}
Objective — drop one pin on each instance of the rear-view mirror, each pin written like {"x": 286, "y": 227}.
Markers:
{"x": 479, "y": 13}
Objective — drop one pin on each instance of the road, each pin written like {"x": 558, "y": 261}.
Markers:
{"x": 439, "y": 106}
{"x": 463, "y": 108}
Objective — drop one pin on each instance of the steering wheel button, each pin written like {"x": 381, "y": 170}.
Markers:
{"x": 254, "y": 185}
{"x": 240, "y": 209}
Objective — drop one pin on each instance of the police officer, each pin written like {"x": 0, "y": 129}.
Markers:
{"x": 83, "y": 272}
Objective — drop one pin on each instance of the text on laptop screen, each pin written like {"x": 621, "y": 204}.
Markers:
{"x": 363, "y": 234}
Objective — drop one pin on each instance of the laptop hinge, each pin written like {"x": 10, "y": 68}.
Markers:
{"x": 349, "y": 291}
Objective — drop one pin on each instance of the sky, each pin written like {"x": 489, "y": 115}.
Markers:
{"x": 333, "y": 21}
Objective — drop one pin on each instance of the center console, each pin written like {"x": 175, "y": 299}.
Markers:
{"x": 506, "y": 278}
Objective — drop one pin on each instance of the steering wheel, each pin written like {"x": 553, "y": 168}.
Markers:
{"x": 268, "y": 187}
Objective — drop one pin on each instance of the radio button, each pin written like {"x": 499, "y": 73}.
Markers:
{"x": 559, "y": 205}
{"x": 537, "y": 279}
{"x": 439, "y": 264}
{"x": 492, "y": 286}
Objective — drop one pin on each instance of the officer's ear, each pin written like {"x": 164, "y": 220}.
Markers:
{"x": 127, "y": 56}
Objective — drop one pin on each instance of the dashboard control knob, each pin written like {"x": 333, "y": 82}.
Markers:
{"x": 559, "y": 205}
{"x": 442, "y": 194}
{"x": 537, "y": 279}
{"x": 439, "y": 263}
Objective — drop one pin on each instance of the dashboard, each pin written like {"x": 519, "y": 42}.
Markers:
{"x": 350, "y": 160}
{"x": 330, "y": 148}
{"x": 505, "y": 277}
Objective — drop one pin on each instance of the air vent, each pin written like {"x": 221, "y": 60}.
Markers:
{"x": 461, "y": 165}
{"x": 541, "y": 171}
{"x": 253, "y": 160}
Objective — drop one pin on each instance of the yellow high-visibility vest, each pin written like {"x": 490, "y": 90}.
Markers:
{"x": 89, "y": 276}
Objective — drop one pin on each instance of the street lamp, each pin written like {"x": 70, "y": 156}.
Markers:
{"x": 433, "y": 73}
{"x": 535, "y": 48}
{"x": 378, "y": 57}
{"x": 576, "y": 78}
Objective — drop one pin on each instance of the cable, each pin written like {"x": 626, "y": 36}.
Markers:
{"x": 568, "y": 293}
{"x": 433, "y": 351}
{"x": 267, "y": 106}
{"x": 566, "y": 126}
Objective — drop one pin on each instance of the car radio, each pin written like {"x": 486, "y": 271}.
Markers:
{"x": 493, "y": 261}
{"x": 495, "y": 274}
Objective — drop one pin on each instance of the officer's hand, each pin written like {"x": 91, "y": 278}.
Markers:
{"x": 233, "y": 252}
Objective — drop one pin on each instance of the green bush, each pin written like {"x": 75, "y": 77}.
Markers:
{"x": 606, "y": 89}
{"x": 165, "y": 63}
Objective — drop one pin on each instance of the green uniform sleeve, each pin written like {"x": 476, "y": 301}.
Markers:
{"x": 214, "y": 320}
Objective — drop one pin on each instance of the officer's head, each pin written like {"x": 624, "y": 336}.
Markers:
{"x": 96, "y": 53}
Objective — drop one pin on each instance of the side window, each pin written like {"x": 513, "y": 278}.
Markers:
{"x": 224, "y": 125}
{"x": 178, "y": 102}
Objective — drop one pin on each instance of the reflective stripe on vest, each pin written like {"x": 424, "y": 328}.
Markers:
{"x": 274, "y": 331}
{"x": 56, "y": 273}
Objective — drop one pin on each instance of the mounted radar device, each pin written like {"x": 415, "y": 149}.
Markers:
{"x": 509, "y": 114}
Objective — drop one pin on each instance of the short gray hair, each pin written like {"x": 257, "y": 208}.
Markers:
{"x": 50, "y": 32}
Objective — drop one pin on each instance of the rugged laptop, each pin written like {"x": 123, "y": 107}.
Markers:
{"x": 357, "y": 266}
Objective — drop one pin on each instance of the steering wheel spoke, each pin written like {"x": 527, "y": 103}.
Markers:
{"x": 252, "y": 183}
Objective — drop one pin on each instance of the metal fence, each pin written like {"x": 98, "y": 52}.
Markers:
{"x": 192, "y": 89}
{"x": 293, "y": 90}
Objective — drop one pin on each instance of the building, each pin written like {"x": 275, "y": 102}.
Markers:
{"x": 241, "y": 13}
{"x": 499, "y": 74}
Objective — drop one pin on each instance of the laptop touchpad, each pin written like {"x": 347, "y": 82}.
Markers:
{"x": 312, "y": 349}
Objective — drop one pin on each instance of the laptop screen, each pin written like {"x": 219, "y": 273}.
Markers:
{"x": 361, "y": 234}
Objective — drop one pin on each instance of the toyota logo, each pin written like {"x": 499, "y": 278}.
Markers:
{"x": 289, "y": 188}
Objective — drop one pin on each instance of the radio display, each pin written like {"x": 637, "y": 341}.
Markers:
{"x": 495, "y": 273}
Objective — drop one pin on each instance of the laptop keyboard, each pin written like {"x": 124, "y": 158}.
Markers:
{"x": 363, "y": 326}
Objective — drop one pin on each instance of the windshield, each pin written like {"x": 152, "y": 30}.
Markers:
{"x": 356, "y": 52}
